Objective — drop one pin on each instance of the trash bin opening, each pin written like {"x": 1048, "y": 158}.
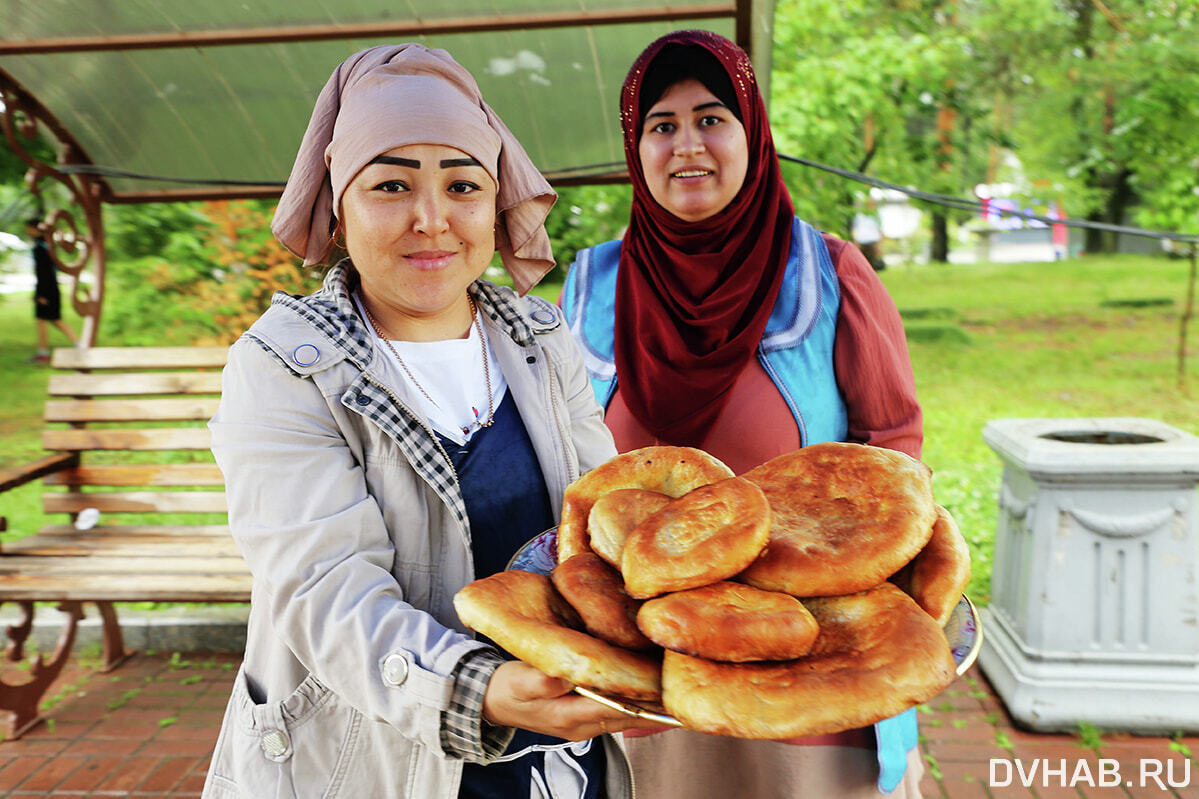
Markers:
{"x": 1102, "y": 437}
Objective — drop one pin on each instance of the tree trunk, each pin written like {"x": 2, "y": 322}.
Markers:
{"x": 1119, "y": 196}
{"x": 1094, "y": 240}
{"x": 939, "y": 251}
{"x": 1118, "y": 200}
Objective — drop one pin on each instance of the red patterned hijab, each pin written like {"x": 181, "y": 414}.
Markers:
{"x": 693, "y": 298}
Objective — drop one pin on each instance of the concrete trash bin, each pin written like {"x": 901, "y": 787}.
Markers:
{"x": 1094, "y": 612}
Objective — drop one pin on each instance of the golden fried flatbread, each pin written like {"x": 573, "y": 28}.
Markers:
{"x": 877, "y": 655}
{"x": 596, "y": 592}
{"x": 940, "y": 572}
{"x": 668, "y": 470}
{"x": 615, "y": 514}
{"x": 844, "y": 517}
{"x": 706, "y": 536}
{"x": 730, "y": 622}
{"x": 523, "y": 613}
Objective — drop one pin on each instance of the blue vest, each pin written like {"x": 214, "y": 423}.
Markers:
{"x": 796, "y": 349}
{"x": 797, "y": 352}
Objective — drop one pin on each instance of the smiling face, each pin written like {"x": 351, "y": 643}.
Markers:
{"x": 694, "y": 152}
{"x": 419, "y": 224}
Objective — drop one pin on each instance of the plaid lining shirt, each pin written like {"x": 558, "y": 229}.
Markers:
{"x": 464, "y": 733}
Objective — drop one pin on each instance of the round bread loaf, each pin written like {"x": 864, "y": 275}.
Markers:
{"x": 523, "y": 613}
{"x": 940, "y": 572}
{"x": 730, "y": 622}
{"x": 877, "y": 655}
{"x": 596, "y": 592}
{"x": 668, "y": 470}
{"x": 844, "y": 518}
{"x": 708, "y": 535}
{"x": 615, "y": 514}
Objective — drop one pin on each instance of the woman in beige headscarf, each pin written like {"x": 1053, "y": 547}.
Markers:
{"x": 392, "y": 437}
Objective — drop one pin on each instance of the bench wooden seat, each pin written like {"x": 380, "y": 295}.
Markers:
{"x": 125, "y": 434}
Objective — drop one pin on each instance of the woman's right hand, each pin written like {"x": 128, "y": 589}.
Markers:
{"x": 521, "y": 696}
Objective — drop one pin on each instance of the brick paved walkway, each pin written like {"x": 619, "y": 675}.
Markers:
{"x": 147, "y": 729}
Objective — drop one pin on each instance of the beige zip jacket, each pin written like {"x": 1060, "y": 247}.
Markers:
{"x": 349, "y": 515}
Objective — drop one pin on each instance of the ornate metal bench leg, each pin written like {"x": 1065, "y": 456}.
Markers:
{"x": 21, "y": 701}
{"x": 18, "y": 633}
{"x": 114, "y": 653}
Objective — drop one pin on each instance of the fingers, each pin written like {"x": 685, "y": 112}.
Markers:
{"x": 520, "y": 696}
{"x": 527, "y": 684}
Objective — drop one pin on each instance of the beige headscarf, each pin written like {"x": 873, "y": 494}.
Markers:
{"x": 395, "y": 95}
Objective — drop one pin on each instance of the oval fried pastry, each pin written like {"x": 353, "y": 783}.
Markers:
{"x": 730, "y": 622}
{"x": 523, "y": 613}
{"x": 844, "y": 517}
{"x": 940, "y": 572}
{"x": 615, "y": 514}
{"x": 877, "y": 655}
{"x": 596, "y": 592}
{"x": 668, "y": 470}
{"x": 706, "y": 536}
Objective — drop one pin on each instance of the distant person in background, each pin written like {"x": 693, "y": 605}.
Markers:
{"x": 47, "y": 301}
{"x": 1059, "y": 233}
{"x": 868, "y": 235}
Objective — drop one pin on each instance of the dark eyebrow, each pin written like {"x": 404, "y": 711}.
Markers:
{"x": 450, "y": 162}
{"x": 394, "y": 161}
{"x": 700, "y": 107}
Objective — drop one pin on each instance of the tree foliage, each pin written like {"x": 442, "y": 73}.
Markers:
{"x": 1113, "y": 112}
{"x": 1091, "y": 103}
{"x": 585, "y": 216}
{"x": 884, "y": 88}
{"x": 219, "y": 263}
{"x": 1097, "y": 100}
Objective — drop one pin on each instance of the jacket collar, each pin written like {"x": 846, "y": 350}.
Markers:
{"x": 332, "y": 311}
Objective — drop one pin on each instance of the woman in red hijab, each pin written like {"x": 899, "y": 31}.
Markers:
{"x": 723, "y": 321}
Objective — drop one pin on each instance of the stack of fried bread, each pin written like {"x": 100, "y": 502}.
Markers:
{"x": 803, "y": 597}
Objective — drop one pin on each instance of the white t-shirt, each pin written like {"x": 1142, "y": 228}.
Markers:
{"x": 451, "y": 373}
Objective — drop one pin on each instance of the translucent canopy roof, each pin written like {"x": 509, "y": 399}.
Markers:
{"x": 177, "y": 99}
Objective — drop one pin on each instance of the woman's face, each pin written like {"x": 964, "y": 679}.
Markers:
{"x": 694, "y": 154}
{"x": 420, "y": 227}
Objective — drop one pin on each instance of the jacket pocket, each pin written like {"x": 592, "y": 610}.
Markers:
{"x": 297, "y": 748}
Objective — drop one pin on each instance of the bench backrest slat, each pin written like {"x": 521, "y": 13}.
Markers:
{"x": 140, "y": 358}
{"x": 102, "y": 384}
{"x": 137, "y": 502}
{"x": 132, "y": 410}
{"x": 137, "y": 418}
{"x": 165, "y": 438}
{"x": 147, "y": 474}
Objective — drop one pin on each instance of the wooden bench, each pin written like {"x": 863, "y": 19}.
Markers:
{"x": 125, "y": 434}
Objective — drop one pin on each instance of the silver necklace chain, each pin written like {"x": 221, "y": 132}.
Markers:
{"x": 382, "y": 333}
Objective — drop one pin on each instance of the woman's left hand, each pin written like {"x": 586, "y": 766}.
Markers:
{"x": 521, "y": 696}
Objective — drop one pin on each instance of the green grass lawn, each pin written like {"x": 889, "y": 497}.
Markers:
{"x": 1080, "y": 338}
{"x": 22, "y": 396}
